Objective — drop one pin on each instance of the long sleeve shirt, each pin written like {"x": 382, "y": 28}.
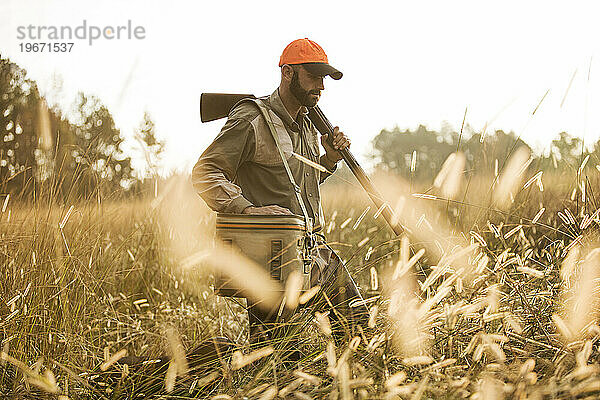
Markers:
{"x": 242, "y": 167}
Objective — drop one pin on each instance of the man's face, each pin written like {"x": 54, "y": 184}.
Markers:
{"x": 306, "y": 87}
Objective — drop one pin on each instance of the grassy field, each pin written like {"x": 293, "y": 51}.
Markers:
{"x": 491, "y": 294}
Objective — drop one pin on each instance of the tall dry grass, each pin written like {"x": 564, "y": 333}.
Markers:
{"x": 488, "y": 295}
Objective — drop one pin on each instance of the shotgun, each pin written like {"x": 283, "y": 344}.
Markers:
{"x": 214, "y": 106}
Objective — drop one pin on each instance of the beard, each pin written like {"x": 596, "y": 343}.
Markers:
{"x": 303, "y": 96}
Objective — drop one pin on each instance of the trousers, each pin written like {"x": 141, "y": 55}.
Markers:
{"x": 338, "y": 290}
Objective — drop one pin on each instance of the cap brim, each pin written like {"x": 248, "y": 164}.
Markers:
{"x": 322, "y": 69}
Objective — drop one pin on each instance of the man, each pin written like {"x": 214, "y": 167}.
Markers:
{"x": 242, "y": 171}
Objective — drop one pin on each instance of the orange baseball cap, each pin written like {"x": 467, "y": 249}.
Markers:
{"x": 311, "y": 56}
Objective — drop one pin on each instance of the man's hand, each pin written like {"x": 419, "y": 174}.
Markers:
{"x": 340, "y": 142}
{"x": 267, "y": 210}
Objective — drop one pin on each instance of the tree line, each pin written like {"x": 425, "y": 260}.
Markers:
{"x": 420, "y": 153}
{"x": 44, "y": 153}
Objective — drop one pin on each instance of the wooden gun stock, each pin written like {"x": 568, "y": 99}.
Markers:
{"x": 215, "y": 106}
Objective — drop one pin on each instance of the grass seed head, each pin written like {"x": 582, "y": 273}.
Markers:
{"x": 511, "y": 177}
{"x": 293, "y": 286}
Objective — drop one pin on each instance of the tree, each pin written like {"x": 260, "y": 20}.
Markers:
{"x": 19, "y": 102}
{"x": 97, "y": 149}
{"x": 565, "y": 152}
{"x": 394, "y": 151}
{"x": 495, "y": 149}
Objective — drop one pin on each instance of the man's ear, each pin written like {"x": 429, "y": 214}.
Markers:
{"x": 287, "y": 72}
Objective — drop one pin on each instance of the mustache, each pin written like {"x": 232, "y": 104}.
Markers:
{"x": 317, "y": 92}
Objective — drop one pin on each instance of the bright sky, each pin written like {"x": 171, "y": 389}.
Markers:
{"x": 404, "y": 63}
